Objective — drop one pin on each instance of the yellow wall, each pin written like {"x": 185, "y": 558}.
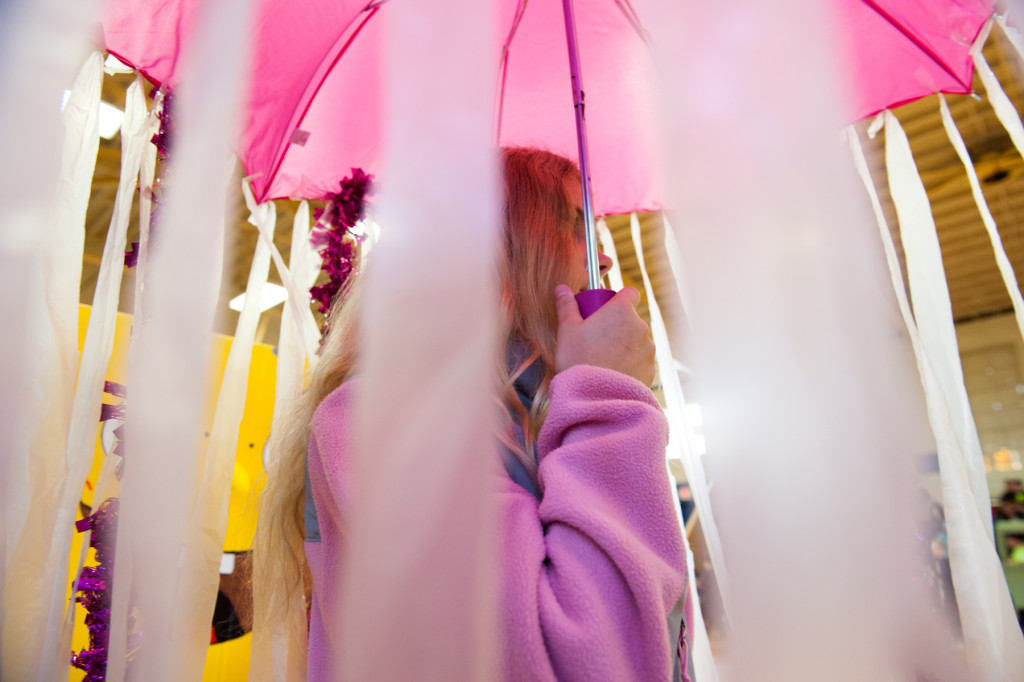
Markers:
{"x": 227, "y": 661}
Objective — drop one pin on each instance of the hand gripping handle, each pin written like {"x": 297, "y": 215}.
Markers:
{"x": 589, "y": 300}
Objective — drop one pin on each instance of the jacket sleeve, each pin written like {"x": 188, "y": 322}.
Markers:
{"x": 592, "y": 570}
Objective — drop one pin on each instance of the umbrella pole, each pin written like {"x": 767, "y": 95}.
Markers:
{"x": 593, "y": 267}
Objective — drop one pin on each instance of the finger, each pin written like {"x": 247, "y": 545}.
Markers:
{"x": 628, "y": 295}
{"x": 565, "y": 305}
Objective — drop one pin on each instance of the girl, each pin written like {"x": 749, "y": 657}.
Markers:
{"x": 592, "y": 569}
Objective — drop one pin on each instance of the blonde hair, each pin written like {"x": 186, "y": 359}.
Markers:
{"x": 540, "y": 243}
{"x": 540, "y": 236}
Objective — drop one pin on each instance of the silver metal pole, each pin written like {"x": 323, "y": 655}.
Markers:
{"x": 593, "y": 267}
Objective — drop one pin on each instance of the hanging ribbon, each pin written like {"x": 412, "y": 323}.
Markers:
{"x": 158, "y": 568}
{"x": 992, "y": 638}
{"x": 147, "y": 187}
{"x": 99, "y": 337}
{"x": 209, "y": 521}
{"x": 692, "y": 463}
{"x": 1005, "y": 110}
{"x": 298, "y": 299}
{"x": 277, "y": 643}
{"x": 929, "y": 294}
{"x": 292, "y": 350}
{"x": 681, "y": 441}
{"x": 608, "y": 247}
{"x": 1012, "y": 34}
{"x": 1002, "y": 260}
{"x": 39, "y": 521}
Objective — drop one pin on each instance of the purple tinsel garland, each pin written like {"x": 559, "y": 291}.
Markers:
{"x": 94, "y": 589}
{"x": 162, "y": 140}
{"x": 333, "y": 237}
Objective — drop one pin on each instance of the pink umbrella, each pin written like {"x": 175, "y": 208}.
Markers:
{"x": 315, "y": 107}
{"x": 902, "y": 50}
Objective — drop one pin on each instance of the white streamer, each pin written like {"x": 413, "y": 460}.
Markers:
{"x": 106, "y": 484}
{"x": 608, "y": 247}
{"x": 430, "y": 343}
{"x": 39, "y": 523}
{"x": 292, "y": 351}
{"x": 992, "y": 639}
{"x": 681, "y": 439}
{"x": 159, "y": 569}
{"x": 96, "y": 351}
{"x": 1005, "y": 110}
{"x": 275, "y": 650}
{"x": 891, "y": 258}
{"x": 1012, "y": 34}
{"x": 298, "y": 298}
{"x": 675, "y": 264}
{"x": 147, "y": 185}
{"x": 1002, "y": 260}
{"x": 930, "y": 297}
{"x": 210, "y": 514}
{"x": 691, "y": 458}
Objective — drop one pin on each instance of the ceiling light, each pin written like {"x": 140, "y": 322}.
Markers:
{"x": 271, "y": 295}
{"x": 109, "y": 120}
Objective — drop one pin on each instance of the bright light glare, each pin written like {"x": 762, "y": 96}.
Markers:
{"x": 694, "y": 417}
{"x": 699, "y": 444}
{"x": 271, "y": 295}
{"x": 109, "y": 120}
{"x": 110, "y": 117}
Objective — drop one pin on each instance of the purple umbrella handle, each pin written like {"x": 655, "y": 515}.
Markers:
{"x": 589, "y": 300}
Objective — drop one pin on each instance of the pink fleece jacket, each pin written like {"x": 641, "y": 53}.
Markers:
{"x": 591, "y": 572}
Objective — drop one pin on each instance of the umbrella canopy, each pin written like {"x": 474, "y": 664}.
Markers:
{"x": 315, "y": 106}
{"x": 902, "y": 50}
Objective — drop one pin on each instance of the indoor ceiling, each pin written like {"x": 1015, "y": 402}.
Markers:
{"x": 976, "y": 288}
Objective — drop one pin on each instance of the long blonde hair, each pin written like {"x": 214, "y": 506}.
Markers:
{"x": 540, "y": 235}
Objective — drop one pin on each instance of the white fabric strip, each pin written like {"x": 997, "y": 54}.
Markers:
{"x": 41, "y": 524}
{"x": 210, "y": 514}
{"x": 147, "y": 186}
{"x": 929, "y": 295}
{"x": 275, "y": 646}
{"x": 1005, "y": 110}
{"x": 891, "y": 258}
{"x": 692, "y": 462}
{"x": 292, "y": 351}
{"x": 798, "y": 362}
{"x": 96, "y": 351}
{"x": 992, "y": 638}
{"x": 675, "y": 265}
{"x": 1012, "y": 34}
{"x": 604, "y": 235}
{"x": 680, "y": 438}
{"x": 106, "y": 484}
{"x": 1002, "y": 260}
{"x": 298, "y": 299}
{"x": 429, "y": 347}
{"x": 159, "y": 570}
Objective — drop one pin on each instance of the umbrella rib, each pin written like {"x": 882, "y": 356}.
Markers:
{"x": 634, "y": 20}
{"x": 914, "y": 39}
{"x": 520, "y": 10}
